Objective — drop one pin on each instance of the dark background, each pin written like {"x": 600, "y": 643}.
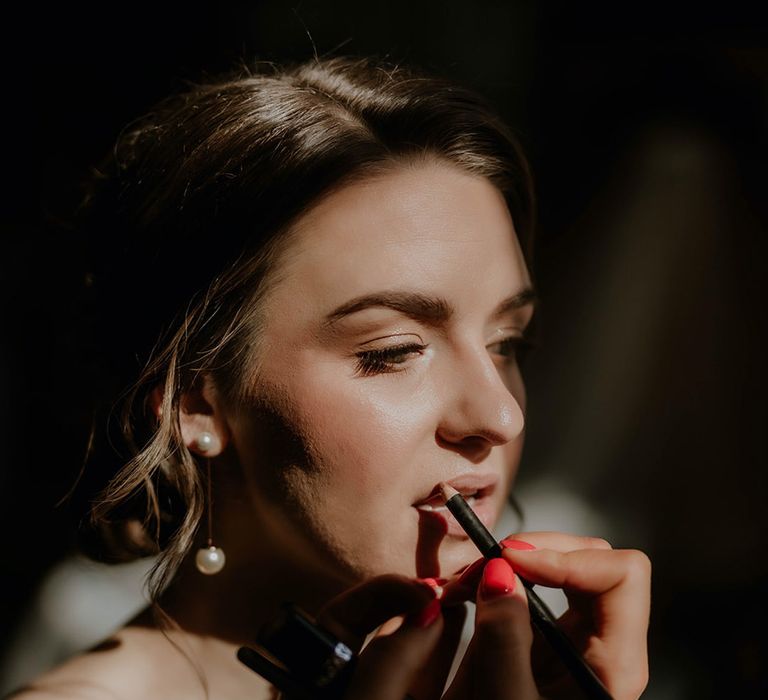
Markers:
{"x": 646, "y": 129}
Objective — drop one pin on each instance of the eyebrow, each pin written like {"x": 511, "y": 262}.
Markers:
{"x": 422, "y": 307}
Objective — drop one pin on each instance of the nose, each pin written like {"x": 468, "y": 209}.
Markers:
{"x": 479, "y": 411}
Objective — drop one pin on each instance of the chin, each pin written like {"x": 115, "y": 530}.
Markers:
{"x": 446, "y": 561}
{"x": 458, "y": 557}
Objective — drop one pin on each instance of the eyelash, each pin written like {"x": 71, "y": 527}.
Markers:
{"x": 381, "y": 361}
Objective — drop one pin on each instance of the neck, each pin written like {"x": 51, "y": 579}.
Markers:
{"x": 211, "y": 616}
{"x": 235, "y": 603}
{"x": 265, "y": 566}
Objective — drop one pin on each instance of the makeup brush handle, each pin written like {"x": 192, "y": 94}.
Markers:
{"x": 542, "y": 617}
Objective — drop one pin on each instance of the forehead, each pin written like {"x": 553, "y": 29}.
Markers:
{"x": 429, "y": 227}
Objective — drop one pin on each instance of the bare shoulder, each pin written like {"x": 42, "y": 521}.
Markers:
{"x": 130, "y": 665}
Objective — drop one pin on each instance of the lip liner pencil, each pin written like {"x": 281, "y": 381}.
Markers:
{"x": 541, "y": 615}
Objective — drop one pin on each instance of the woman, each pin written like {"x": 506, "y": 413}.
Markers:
{"x": 321, "y": 278}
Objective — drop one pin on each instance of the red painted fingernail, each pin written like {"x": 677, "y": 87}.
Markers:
{"x": 427, "y": 615}
{"x": 517, "y": 544}
{"x": 498, "y": 580}
{"x": 434, "y": 581}
{"x": 435, "y": 585}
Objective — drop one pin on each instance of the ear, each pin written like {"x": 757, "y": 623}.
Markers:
{"x": 201, "y": 410}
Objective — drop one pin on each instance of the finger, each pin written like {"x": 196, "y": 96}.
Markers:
{"x": 464, "y": 587}
{"x": 387, "y": 667}
{"x": 391, "y": 625}
{"x": 358, "y": 611}
{"x": 430, "y": 683}
{"x": 498, "y": 661}
{"x": 590, "y": 571}
{"x": 611, "y": 591}
{"x": 559, "y": 541}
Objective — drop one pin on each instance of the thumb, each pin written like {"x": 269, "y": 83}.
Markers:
{"x": 386, "y": 668}
{"x": 498, "y": 661}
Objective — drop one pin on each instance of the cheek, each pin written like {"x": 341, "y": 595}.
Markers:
{"x": 365, "y": 431}
{"x": 366, "y": 443}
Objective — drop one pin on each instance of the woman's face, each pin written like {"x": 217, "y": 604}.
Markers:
{"x": 388, "y": 366}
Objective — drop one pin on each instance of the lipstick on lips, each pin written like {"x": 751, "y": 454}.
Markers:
{"x": 472, "y": 525}
{"x": 478, "y": 488}
{"x": 541, "y": 615}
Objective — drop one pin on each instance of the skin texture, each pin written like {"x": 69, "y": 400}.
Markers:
{"x": 315, "y": 477}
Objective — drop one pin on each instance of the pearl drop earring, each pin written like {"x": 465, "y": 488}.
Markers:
{"x": 209, "y": 560}
{"x": 204, "y": 442}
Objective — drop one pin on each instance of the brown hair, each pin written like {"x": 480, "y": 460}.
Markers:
{"x": 221, "y": 172}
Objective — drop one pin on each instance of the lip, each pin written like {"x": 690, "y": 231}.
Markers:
{"x": 477, "y": 488}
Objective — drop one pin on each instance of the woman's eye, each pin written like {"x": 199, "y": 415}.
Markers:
{"x": 513, "y": 348}
{"x": 386, "y": 359}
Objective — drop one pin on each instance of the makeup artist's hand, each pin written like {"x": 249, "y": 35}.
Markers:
{"x": 389, "y": 665}
{"x": 609, "y": 601}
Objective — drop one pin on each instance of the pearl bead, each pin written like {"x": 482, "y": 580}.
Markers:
{"x": 204, "y": 442}
{"x": 210, "y": 560}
